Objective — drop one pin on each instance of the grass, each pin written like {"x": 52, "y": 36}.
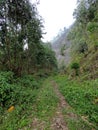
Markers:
{"x": 36, "y": 104}
{"x": 32, "y": 100}
{"x": 21, "y": 94}
{"x": 83, "y": 97}
{"x": 75, "y": 122}
{"x": 19, "y": 117}
{"x": 46, "y": 104}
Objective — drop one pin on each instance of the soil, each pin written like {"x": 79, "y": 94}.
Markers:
{"x": 58, "y": 122}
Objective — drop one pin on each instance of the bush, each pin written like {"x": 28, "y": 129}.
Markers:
{"x": 6, "y": 87}
{"x": 6, "y": 77}
{"x": 75, "y": 66}
{"x": 28, "y": 81}
{"x": 16, "y": 91}
{"x": 21, "y": 94}
{"x": 83, "y": 47}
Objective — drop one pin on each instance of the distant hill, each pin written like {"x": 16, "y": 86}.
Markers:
{"x": 61, "y": 45}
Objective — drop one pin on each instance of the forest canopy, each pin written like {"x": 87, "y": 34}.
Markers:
{"x": 21, "y": 29}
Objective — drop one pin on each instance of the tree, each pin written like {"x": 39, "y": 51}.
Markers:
{"x": 84, "y": 33}
{"x": 81, "y": 12}
{"x": 24, "y": 28}
{"x": 16, "y": 31}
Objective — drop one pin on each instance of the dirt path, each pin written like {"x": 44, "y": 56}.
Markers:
{"x": 52, "y": 112}
{"x": 58, "y": 121}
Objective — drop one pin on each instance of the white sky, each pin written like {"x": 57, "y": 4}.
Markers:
{"x": 57, "y": 14}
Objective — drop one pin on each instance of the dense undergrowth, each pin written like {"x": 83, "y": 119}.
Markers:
{"x": 82, "y": 96}
{"x": 25, "y": 99}
{"x": 17, "y": 95}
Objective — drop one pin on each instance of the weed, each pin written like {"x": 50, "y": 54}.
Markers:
{"x": 17, "y": 97}
{"x": 82, "y": 96}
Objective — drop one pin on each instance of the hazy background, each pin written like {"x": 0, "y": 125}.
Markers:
{"x": 57, "y": 14}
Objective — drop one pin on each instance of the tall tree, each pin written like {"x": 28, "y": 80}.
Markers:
{"x": 14, "y": 31}
{"x": 20, "y": 26}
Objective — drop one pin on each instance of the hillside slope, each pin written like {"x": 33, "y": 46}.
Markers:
{"x": 61, "y": 46}
{"x": 79, "y": 43}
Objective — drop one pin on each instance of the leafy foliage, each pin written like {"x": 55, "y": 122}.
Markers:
{"x": 83, "y": 35}
{"x": 22, "y": 54}
{"x": 13, "y": 91}
{"x": 75, "y": 66}
{"x": 20, "y": 93}
{"x": 31, "y": 100}
{"x": 20, "y": 37}
{"x": 82, "y": 96}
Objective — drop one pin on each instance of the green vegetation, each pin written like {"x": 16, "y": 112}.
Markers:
{"x": 82, "y": 96}
{"x": 63, "y": 48}
{"x": 79, "y": 84}
{"x": 24, "y": 61}
{"x": 46, "y": 105}
{"x": 20, "y": 93}
{"x": 76, "y": 67}
{"x": 46, "y": 102}
{"x": 83, "y": 36}
{"x": 74, "y": 122}
{"x": 26, "y": 100}
{"x": 30, "y": 99}
{"x": 21, "y": 48}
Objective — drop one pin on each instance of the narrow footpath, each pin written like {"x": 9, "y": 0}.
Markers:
{"x": 52, "y": 112}
{"x": 58, "y": 121}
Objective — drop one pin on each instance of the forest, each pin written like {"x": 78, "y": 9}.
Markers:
{"x": 48, "y": 85}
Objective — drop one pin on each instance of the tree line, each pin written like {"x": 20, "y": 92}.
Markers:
{"x": 83, "y": 35}
{"x": 83, "y": 32}
{"x": 21, "y": 48}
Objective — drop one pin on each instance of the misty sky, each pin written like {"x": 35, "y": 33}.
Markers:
{"x": 57, "y": 14}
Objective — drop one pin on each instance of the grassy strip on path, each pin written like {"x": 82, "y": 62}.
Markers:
{"x": 83, "y": 98}
{"x": 45, "y": 107}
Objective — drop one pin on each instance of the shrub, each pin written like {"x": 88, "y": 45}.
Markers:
{"x": 6, "y": 77}
{"x": 6, "y": 87}
{"x": 82, "y": 47}
{"x": 16, "y": 91}
{"x": 75, "y": 66}
{"x": 28, "y": 81}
